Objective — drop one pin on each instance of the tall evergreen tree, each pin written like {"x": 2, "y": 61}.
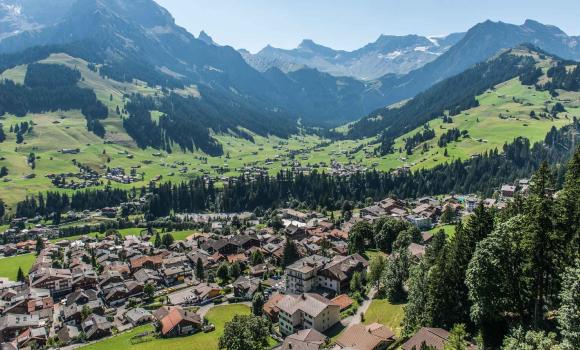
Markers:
{"x": 569, "y": 312}
{"x": 290, "y": 253}
{"x": 416, "y": 315}
{"x": 199, "y": 273}
{"x": 157, "y": 242}
{"x": 258, "y": 302}
{"x": 39, "y": 245}
{"x": 20, "y": 275}
{"x": 543, "y": 239}
{"x": 498, "y": 281}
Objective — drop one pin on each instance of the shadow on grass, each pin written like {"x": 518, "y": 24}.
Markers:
{"x": 334, "y": 331}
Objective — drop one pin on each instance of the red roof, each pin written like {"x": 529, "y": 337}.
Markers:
{"x": 343, "y": 300}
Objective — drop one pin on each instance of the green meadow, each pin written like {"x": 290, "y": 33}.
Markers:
{"x": 9, "y": 266}
{"x": 57, "y": 130}
{"x": 218, "y": 315}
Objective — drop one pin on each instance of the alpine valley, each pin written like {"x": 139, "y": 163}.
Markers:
{"x": 419, "y": 192}
{"x": 172, "y": 101}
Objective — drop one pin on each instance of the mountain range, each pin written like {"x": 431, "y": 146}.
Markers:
{"x": 481, "y": 42}
{"x": 387, "y": 55}
{"x": 320, "y": 86}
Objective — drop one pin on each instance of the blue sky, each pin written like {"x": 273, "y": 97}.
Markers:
{"x": 349, "y": 24}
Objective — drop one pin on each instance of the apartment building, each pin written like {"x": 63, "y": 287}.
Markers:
{"x": 306, "y": 311}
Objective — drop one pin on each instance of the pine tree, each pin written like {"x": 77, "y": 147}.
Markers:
{"x": 457, "y": 338}
{"x": 235, "y": 270}
{"x": 543, "y": 241}
{"x": 2, "y": 135}
{"x": 416, "y": 315}
{"x": 568, "y": 314}
{"x": 199, "y": 273}
{"x": 568, "y": 211}
{"x": 396, "y": 274}
{"x": 258, "y": 302}
{"x": 222, "y": 273}
{"x": 39, "y": 245}
{"x": 290, "y": 253}
{"x": 20, "y": 275}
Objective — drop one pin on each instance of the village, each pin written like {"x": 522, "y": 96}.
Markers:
{"x": 86, "y": 288}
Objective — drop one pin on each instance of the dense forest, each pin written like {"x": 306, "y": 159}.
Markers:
{"x": 55, "y": 202}
{"x": 451, "y": 96}
{"x": 49, "y": 88}
{"x": 187, "y": 122}
{"x": 565, "y": 76}
{"x": 92, "y": 51}
{"x": 483, "y": 175}
{"x": 508, "y": 279}
{"x": 422, "y": 136}
{"x": 451, "y": 135}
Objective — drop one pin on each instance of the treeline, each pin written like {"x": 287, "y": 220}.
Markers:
{"x": 56, "y": 202}
{"x": 49, "y": 88}
{"x": 316, "y": 190}
{"x": 127, "y": 69}
{"x": 455, "y": 95}
{"x": 422, "y": 136}
{"x": 188, "y": 122}
{"x": 565, "y": 76}
{"x": 482, "y": 175}
{"x": 451, "y": 135}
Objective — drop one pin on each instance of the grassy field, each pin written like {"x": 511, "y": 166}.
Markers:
{"x": 448, "y": 229}
{"x": 9, "y": 266}
{"x": 383, "y": 312}
{"x": 57, "y": 130}
{"x": 372, "y": 253}
{"x": 177, "y": 235}
{"x": 201, "y": 341}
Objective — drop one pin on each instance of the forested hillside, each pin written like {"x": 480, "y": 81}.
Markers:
{"x": 320, "y": 191}
{"x": 49, "y": 88}
{"x": 451, "y": 97}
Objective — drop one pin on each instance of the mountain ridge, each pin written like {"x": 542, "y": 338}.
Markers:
{"x": 388, "y": 54}
{"x": 140, "y": 40}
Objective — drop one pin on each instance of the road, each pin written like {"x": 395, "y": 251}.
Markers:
{"x": 356, "y": 318}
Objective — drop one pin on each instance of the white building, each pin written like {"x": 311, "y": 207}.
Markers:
{"x": 302, "y": 276}
{"x": 306, "y": 311}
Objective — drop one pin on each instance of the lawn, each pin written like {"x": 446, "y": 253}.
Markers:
{"x": 178, "y": 235}
{"x": 201, "y": 341}
{"x": 383, "y": 312}
{"x": 9, "y": 266}
{"x": 372, "y": 253}
{"x": 448, "y": 229}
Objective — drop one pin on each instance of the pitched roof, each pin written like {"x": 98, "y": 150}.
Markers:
{"x": 138, "y": 262}
{"x": 173, "y": 316}
{"x": 306, "y": 339}
{"x": 417, "y": 250}
{"x": 360, "y": 337}
{"x": 342, "y": 267}
{"x": 309, "y": 303}
{"x": 271, "y": 305}
{"x": 343, "y": 301}
{"x": 434, "y": 337}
